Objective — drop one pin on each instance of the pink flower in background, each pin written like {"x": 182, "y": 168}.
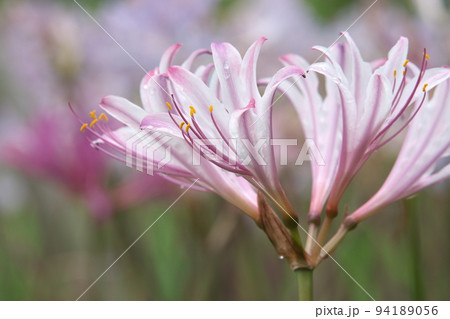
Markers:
{"x": 423, "y": 159}
{"x": 39, "y": 149}
{"x": 366, "y": 106}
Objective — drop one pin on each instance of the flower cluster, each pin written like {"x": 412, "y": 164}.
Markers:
{"x": 216, "y": 123}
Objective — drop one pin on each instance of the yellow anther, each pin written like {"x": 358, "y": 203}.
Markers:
{"x": 193, "y": 111}
{"x": 425, "y": 87}
{"x": 92, "y": 114}
{"x": 426, "y": 56}
{"x": 168, "y": 105}
{"x": 181, "y": 125}
{"x": 211, "y": 108}
{"x": 395, "y": 72}
{"x": 187, "y": 127}
{"x": 404, "y": 72}
{"x": 83, "y": 127}
{"x": 103, "y": 117}
{"x": 93, "y": 122}
{"x": 406, "y": 62}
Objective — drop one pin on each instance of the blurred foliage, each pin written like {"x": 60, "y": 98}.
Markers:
{"x": 326, "y": 10}
{"x": 53, "y": 250}
{"x": 87, "y": 4}
{"x": 225, "y": 7}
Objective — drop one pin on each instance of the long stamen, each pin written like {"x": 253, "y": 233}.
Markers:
{"x": 195, "y": 128}
{"x": 395, "y": 81}
{"x": 409, "y": 99}
{"x": 178, "y": 109}
{"x": 219, "y": 130}
{"x": 202, "y": 136}
{"x": 419, "y": 78}
{"x": 407, "y": 122}
{"x": 401, "y": 87}
{"x": 114, "y": 147}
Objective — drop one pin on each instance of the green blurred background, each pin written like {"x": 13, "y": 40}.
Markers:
{"x": 51, "y": 246}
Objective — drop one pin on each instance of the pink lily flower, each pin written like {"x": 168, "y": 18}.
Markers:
{"x": 366, "y": 106}
{"x": 158, "y": 115}
{"x": 322, "y": 122}
{"x": 230, "y": 109}
{"x": 423, "y": 159}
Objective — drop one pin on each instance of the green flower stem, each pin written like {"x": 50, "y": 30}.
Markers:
{"x": 296, "y": 237}
{"x": 418, "y": 287}
{"x": 305, "y": 284}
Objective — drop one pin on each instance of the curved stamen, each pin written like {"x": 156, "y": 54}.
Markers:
{"x": 185, "y": 126}
{"x": 395, "y": 81}
{"x": 404, "y": 125}
{"x": 178, "y": 109}
{"x": 400, "y": 90}
{"x": 220, "y": 131}
{"x": 398, "y": 95}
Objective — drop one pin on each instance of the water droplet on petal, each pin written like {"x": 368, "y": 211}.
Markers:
{"x": 281, "y": 257}
{"x": 226, "y": 68}
{"x": 145, "y": 87}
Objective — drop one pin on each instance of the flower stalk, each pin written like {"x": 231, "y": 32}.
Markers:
{"x": 305, "y": 284}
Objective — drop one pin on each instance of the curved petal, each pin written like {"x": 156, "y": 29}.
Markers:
{"x": 376, "y": 107}
{"x": 253, "y": 136}
{"x": 155, "y": 92}
{"x": 248, "y": 69}
{"x": 396, "y": 58}
{"x": 426, "y": 181}
{"x": 204, "y": 72}
{"x": 376, "y": 64}
{"x": 304, "y": 97}
{"x": 161, "y": 122}
{"x": 167, "y": 57}
{"x": 360, "y": 71}
{"x": 227, "y": 62}
{"x": 187, "y": 64}
{"x": 277, "y": 79}
{"x": 294, "y": 59}
{"x": 123, "y": 110}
